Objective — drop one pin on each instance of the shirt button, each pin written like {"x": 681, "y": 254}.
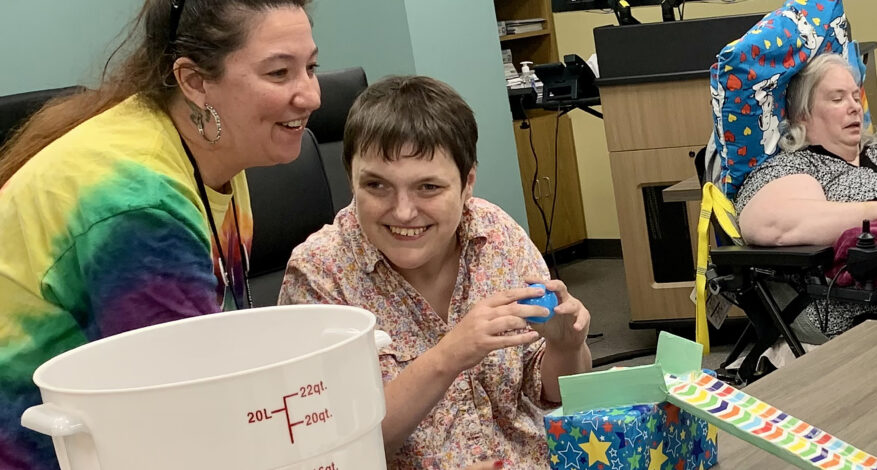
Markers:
{"x": 473, "y": 432}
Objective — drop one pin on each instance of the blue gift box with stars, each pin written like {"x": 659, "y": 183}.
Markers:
{"x": 657, "y": 436}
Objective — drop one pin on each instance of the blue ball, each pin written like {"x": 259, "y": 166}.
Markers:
{"x": 548, "y": 300}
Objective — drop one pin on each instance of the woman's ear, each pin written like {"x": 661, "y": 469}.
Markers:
{"x": 470, "y": 184}
{"x": 190, "y": 80}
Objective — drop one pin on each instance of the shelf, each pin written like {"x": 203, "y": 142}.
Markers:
{"x": 510, "y": 37}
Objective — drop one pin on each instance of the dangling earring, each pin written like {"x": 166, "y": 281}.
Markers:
{"x": 200, "y": 125}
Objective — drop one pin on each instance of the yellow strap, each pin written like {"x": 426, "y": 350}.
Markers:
{"x": 713, "y": 202}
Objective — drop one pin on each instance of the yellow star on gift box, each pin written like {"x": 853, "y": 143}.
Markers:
{"x": 595, "y": 449}
{"x": 657, "y": 457}
{"x": 554, "y": 459}
{"x": 712, "y": 433}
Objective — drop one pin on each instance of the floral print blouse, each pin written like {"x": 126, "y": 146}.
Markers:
{"x": 492, "y": 411}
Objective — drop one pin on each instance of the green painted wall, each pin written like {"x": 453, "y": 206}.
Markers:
{"x": 456, "y": 42}
{"x": 55, "y": 43}
{"x": 452, "y": 40}
{"x": 373, "y": 35}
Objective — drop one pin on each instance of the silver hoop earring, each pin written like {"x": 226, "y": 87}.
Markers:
{"x": 215, "y": 115}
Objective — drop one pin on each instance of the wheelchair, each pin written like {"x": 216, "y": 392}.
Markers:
{"x": 750, "y": 277}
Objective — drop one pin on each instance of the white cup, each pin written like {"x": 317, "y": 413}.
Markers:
{"x": 289, "y": 387}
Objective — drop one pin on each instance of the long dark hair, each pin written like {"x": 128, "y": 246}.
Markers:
{"x": 207, "y": 31}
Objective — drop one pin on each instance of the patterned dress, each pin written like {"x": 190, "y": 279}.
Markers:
{"x": 491, "y": 411}
{"x": 841, "y": 182}
{"x": 102, "y": 231}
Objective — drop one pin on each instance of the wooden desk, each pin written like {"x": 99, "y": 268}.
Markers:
{"x": 832, "y": 388}
{"x": 651, "y": 129}
{"x": 688, "y": 189}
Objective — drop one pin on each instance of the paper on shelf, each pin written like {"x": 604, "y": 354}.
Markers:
{"x": 524, "y": 21}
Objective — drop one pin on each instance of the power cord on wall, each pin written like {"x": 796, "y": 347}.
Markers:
{"x": 553, "y": 193}
{"x": 547, "y": 221}
{"x": 525, "y": 124}
{"x": 823, "y": 318}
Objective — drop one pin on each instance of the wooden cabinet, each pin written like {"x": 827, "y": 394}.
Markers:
{"x": 561, "y": 193}
{"x": 654, "y": 88}
{"x": 651, "y": 130}
{"x": 556, "y": 186}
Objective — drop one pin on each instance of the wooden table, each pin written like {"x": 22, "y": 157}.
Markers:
{"x": 832, "y": 388}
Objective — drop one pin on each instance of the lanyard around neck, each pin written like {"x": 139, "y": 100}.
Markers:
{"x": 223, "y": 265}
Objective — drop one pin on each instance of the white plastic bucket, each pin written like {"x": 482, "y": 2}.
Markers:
{"x": 289, "y": 387}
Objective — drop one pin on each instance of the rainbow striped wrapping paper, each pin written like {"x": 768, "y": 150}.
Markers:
{"x": 763, "y": 425}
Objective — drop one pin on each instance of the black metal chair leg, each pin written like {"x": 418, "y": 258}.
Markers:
{"x": 777, "y": 318}
{"x": 749, "y": 367}
{"x": 745, "y": 338}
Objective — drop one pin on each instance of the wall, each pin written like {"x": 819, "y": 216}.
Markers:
{"x": 52, "y": 43}
{"x": 574, "y": 33}
{"x": 467, "y": 56}
{"x": 67, "y": 42}
{"x": 452, "y": 40}
{"x": 374, "y": 35}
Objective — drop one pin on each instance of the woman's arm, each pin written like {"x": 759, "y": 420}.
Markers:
{"x": 135, "y": 269}
{"x": 416, "y": 390}
{"x": 565, "y": 351}
{"x": 413, "y": 394}
{"x": 792, "y": 210}
{"x": 423, "y": 383}
{"x": 558, "y": 362}
{"x": 566, "y": 348}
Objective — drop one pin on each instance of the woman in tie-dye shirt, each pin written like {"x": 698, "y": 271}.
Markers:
{"x": 128, "y": 206}
{"x": 466, "y": 380}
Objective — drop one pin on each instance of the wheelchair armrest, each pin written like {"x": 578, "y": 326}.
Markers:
{"x": 846, "y": 294}
{"x": 773, "y": 256}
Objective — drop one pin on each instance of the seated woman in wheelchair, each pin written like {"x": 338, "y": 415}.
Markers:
{"x": 822, "y": 183}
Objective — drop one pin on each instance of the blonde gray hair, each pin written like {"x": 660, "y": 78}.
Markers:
{"x": 799, "y": 96}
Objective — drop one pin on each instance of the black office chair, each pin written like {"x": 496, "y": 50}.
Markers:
{"x": 15, "y": 109}
{"x": 339, "y": 89}
{"x": 294, "y": 200}
{"x": 289, "y": 202}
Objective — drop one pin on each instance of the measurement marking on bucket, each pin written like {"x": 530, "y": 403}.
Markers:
{"x": 308, "y": 418}
{"x": 289, "y": 423}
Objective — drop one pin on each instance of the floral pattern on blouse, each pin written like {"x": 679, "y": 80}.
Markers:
{"x": 491, "y": 411}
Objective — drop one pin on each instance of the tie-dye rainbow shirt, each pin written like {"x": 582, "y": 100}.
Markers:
{"x": 101, "y": 232}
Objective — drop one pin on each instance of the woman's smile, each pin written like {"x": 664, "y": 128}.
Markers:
{"x": 407, "y": 233}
